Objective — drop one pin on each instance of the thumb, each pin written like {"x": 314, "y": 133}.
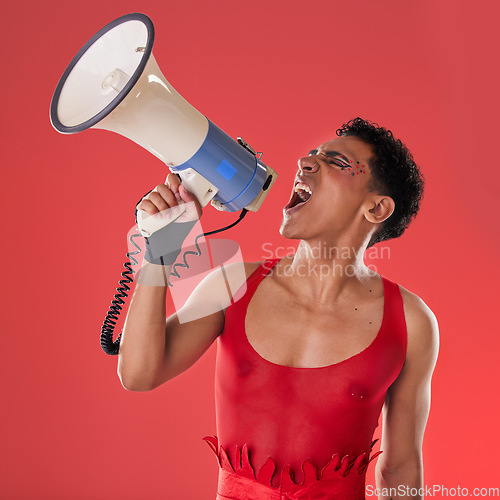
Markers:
{"x": 187, "y": 196}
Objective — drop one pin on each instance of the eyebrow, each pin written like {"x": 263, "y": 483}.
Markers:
{"x": 330, "y": 154}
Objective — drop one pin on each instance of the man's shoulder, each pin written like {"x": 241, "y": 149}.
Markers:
{"x": 238, "y": 267}
{"x": 218, "y": 287}
{"x": 415, "y": 308}
{"x": 421, "y": 323}
{"x": 230, "y": 276}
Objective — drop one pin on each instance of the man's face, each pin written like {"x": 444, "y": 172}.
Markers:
{"x": 330, "y": 191}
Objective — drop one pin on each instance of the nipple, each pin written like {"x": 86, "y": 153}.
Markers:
{"x": 357, "y": 392}
{"x": 244, "y": 369}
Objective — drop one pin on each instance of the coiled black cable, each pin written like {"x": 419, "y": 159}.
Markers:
{"x": 113, "y": 347}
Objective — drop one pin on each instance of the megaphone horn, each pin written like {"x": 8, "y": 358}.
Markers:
{"x": 114, "y": 83}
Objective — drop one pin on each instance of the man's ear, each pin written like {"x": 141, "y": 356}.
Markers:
{"x": 379, "y": 209}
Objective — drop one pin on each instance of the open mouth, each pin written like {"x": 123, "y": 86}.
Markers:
{"x": 301, "y": 195}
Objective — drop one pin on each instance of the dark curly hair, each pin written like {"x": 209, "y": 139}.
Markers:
{"x": 394, "y": 173}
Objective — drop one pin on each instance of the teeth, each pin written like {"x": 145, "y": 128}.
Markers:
{"x": 300, "y": 186}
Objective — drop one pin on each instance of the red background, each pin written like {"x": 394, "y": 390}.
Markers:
{"x": 284, "y": 75}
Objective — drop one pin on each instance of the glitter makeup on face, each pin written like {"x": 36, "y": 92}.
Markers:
{"x": 360, "y": 171}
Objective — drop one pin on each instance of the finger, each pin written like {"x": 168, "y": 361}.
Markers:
{"x": 167, "y": 194}
{"x": 173, "y": 182}
{"x": 158, "y": 201}
{"x": 148, "y": 207}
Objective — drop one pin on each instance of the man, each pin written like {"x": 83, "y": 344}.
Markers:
{"x": 306, "y": 359}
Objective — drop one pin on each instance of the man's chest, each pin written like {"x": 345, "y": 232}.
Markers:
{"x": 310, "y": 335}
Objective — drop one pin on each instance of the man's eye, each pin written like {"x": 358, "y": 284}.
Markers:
{"x": 338, "y": 162}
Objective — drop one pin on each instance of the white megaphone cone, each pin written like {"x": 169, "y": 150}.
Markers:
{"x": 114, "y": 83}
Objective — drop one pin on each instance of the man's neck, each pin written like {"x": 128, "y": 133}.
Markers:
{"x": 322, "y": 271}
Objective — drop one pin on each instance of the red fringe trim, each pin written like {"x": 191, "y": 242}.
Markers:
{"x": 336, "y": 467}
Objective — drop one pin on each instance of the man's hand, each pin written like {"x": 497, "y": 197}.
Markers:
{"x": 169, "y": 196}
{"x": 167, "y": 203}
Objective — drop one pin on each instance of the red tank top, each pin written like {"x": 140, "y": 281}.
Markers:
{"x": 285, "y": 415}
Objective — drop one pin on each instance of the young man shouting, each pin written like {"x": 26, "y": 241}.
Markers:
{"x": 306, "y": 361}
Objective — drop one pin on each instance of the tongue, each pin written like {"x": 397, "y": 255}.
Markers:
{"x": 304, "y": 195}
{"x": 298, "y": 199}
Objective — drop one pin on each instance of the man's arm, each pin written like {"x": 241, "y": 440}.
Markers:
{"x": 154, "y": 348}
{"x": 407, "y": 405}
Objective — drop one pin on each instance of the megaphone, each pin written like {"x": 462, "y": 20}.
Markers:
{"x": 114, "y": 83}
